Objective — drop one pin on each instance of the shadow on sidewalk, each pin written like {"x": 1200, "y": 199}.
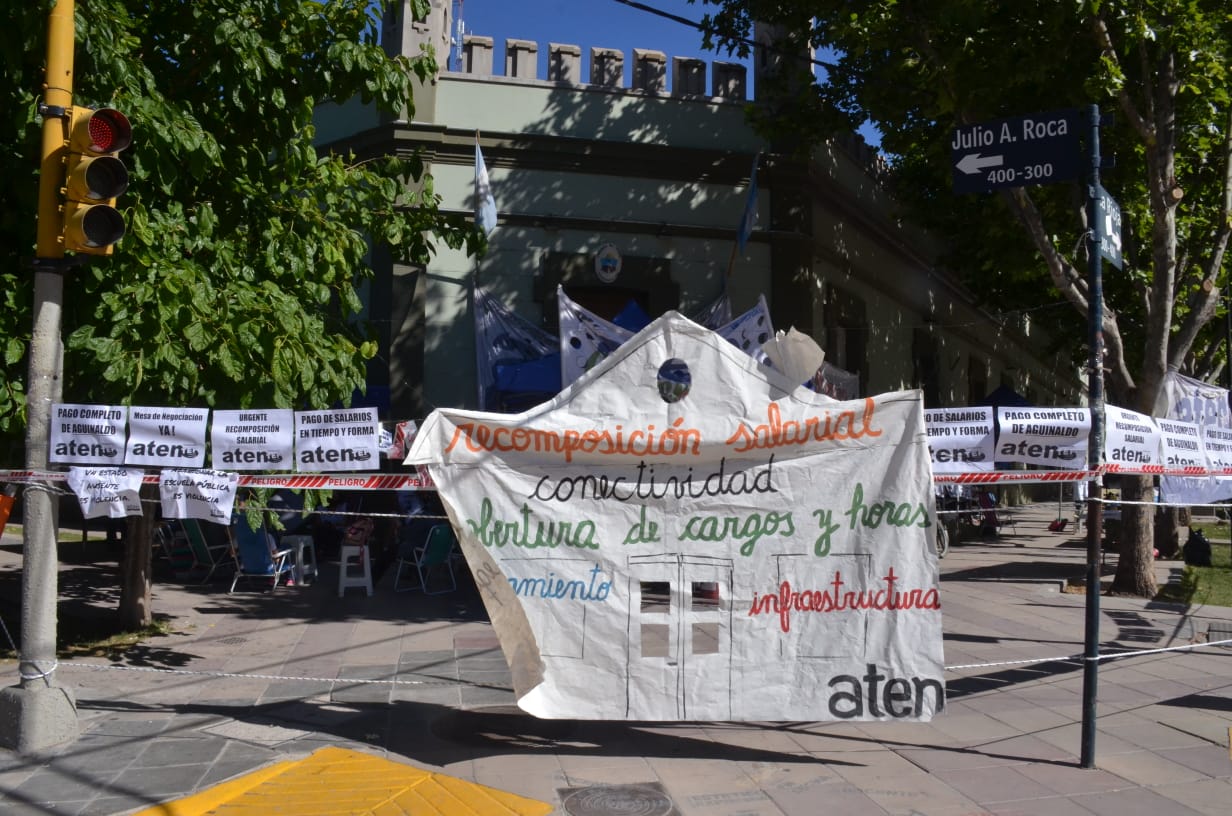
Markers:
{"x": 1025, "y": 571}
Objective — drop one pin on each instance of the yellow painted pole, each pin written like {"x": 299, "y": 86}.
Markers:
{"x": 57, "y": 96}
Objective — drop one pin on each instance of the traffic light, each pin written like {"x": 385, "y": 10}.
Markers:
{"x": 93, "y": 177}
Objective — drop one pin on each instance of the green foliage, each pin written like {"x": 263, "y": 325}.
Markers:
{"x": 918, "y": 70}
{"x": 238, "y": 283}
{"x": 1205, "y": 586}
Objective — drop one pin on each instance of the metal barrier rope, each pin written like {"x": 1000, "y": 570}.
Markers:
{"x": 1081, "y": 658}
{"x": 298, "y": 678}
{"x": 394, "y": 681}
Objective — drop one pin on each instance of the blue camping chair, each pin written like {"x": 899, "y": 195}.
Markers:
{"x": 255, "y": 554}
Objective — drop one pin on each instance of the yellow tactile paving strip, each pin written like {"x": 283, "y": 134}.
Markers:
{"x": 341, "y": 782}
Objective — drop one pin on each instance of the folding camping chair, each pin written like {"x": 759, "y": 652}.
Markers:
{"x": 256, "y": 556}
{"x": 433, "y": 557}
{"x": 205, "y": 556}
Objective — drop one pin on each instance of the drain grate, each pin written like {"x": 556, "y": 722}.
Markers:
{"x": 234, "y": 640}
{"x": 647, "y": 799}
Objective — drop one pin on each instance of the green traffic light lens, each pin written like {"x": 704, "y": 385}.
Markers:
{"x": 101, "y": 226}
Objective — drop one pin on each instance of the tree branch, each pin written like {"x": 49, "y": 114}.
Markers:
{"x": 1071, "y": 284}
{"x": 1104, "y": 39}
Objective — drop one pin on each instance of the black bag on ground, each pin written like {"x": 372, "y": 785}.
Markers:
{"x": 1197, "y": 549}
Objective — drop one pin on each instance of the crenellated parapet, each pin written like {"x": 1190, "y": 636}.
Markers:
{"x": 728, "y": 80}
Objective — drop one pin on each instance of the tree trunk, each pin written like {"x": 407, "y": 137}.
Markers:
{"x": 135, "y": 590}
{"x": 1135, "y": 572}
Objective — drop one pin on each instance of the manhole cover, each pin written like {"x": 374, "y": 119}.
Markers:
{"x": 647, "y": 799}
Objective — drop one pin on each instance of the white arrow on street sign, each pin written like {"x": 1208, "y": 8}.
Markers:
{"x": 1108, "y": 216}
{"x": 974, "y": 162}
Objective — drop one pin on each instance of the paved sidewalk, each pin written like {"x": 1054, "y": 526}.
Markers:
{"x": 251, "y": 678}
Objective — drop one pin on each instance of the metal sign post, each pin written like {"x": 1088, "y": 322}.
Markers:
{"x": 1043, "y": 148}
{"x": 1095, "y": 396}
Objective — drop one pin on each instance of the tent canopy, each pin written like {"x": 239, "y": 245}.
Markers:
{"x": 1005, "y": 397}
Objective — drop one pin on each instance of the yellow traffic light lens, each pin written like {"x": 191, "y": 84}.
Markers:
{"x": 106, "y": 177}
{"x": 91, "y": 226}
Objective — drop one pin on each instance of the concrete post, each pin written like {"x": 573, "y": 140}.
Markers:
{"x": 649, "y": 71}
{"x": 37, "y": 714}
{"x": 564, "y": 63}
{"x": 688, "y": 76}
{"x": 521, "y": 59}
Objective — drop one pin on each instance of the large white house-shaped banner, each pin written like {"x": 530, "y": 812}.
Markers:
{"x": 683, "y": 534}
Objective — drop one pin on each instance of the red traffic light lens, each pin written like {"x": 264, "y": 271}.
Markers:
{"x": 109, "y": 131}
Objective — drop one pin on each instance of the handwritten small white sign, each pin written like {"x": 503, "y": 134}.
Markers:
{"x": 112, "y": 492}
{"x": 208, "y": 495}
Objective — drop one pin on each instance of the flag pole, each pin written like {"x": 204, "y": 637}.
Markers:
{"x": 748, "y": 217}
{"x": 731, "y": 261}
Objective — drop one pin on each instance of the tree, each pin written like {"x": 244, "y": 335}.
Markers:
{"x": 920, "y": 69}
{"x": 237, "y": 284}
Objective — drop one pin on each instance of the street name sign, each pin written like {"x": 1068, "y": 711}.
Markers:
{"x": 1108, "y": 219}
{"x": 1039, "y": 148}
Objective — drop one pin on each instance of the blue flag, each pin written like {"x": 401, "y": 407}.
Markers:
{"x": 485, "y": 204}
{"x": 749, "y": 218}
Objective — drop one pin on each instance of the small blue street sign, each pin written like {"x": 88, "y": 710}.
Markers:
{"x": 1108, "y": 226}
{"x": 1039, "y": 148}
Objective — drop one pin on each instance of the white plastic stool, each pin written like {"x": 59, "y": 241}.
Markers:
{"x": 345, "y": 578}
{"x": 303, "y": 567}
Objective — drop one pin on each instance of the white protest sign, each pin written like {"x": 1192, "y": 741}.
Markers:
{"x": 254, "y": 439}
{"x": 1182, "y": 444}
{"x": 1217, "y": 442}
{"x": 1184, "y": 399}
{"x": 208, "y": 495}
{"x": 1053, "y": 437}
{"x": 687, "y": 535}
{"x": 166, "y": 437}
{"x": 960, "y": 439}
{"x": 106, "y": 492}
{"x": 1131, "y": 440}
{"x": 345, "y": 439}
{"x": 87, "y": 434}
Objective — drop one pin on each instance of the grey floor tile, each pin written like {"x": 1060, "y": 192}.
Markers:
{"x": 180, "y": 751}
{"x": 1210, "y": 797}
{"x": 1138, "y": 802}
{"x": 426, "y": 662}
{"x": 1211, "y": 760}
{"x": 1052, "y": 806}
{"x": 53, "y": 785}
{"x": 995, "y": 785}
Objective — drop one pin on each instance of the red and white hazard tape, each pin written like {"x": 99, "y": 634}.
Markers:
{"x": 1016, "y": 476}
{"x": 352, "y": 481}
{"x": 408, "y": 481}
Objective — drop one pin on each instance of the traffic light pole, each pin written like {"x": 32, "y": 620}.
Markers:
{"x": 37, "y": 714}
